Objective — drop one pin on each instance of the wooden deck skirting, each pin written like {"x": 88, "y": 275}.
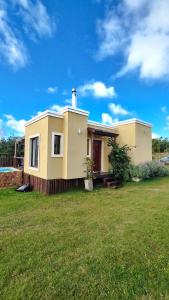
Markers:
{"x": 52, "y": 186}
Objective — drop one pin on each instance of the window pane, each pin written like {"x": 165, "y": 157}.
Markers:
{"x": 57, "y": 139}
{"x": 34, "y": 152}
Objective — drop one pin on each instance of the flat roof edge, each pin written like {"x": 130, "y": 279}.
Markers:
{"x": 74, "y": 110}
{"x": 46, "y": 113}
{"x": 133, "y": 121}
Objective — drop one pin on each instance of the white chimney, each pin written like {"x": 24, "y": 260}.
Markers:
{"x": 74, "y": 98}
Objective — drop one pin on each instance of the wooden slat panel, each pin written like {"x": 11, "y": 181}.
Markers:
{"x": 52, "y": 186}
{"x": 6, "y": 161}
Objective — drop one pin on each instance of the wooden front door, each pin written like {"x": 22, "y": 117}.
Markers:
{"x": 97, "y": 155}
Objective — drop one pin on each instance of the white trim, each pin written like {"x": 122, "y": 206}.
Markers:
{"x": 61, "y": 144}
{"x": 93, "y": 123}
{"x": 29, "y": 152}
{"x": 90, "y": 147}
{"x": 97, "y": 124}
{"x": 46, "y": 113}
{"x": 74, "y": 110}
{"x": 133, "y": 121}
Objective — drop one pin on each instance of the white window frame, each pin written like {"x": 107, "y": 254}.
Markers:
{"x": 90, "y": 144}
{"x": 61, "y": 144}
{"x": 32, "y": 137}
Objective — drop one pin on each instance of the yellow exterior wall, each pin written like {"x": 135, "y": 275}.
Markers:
{"x": 139, "y": 138}
{"x": 143, "y": 144}
{"x": 40, "y": 128}
{"x": 71, "y": 165}
{"x": 75, "y": 145}
{"x": 54, "y": 164}
{"x": 106, "y": 150}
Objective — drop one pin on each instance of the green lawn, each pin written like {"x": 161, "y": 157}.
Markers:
{"x": 109, "y": 244}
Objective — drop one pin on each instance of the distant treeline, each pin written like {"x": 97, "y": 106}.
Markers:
{"x": 7, "y": 147}
{"x": 160, "y": 145}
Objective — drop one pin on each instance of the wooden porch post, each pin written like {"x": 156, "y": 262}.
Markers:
{"x": 15, "y": 154}
{"x": 15, "y": 149}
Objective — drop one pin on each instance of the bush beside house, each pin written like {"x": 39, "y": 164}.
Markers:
{"x": 121, "y": 167}
{"x": 119, "y": 160}
{"x": 148, "y": 170}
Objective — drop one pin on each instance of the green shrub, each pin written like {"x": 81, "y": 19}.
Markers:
{"x": 89, "y": 168}
{"x": 148, "y": 170}
{"x": 119, "y": 160}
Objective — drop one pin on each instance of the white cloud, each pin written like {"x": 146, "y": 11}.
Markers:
{"x": 36, "y": 18}
{"x": 97, "y": 89}
{"x": 56, "y": 107}
{"x": 117, "y": 109}
{"x": 108, "y": 120}
{"x": 149, "y": 54}
{"x": 139, "y": 30}
{"x": 18, "y": 126}
{"x": 155, "y": 136}
{"x": 135, "y": 4}
{"x": 164, "y": 109}
{"x": 68, "y": 101}
{"x": 52, "y": 90}
{"x": 31, "y": 17}
{"x": 11, "y": 48}
{"x": 111, "y": 34}
{"x": 37, "y": 114}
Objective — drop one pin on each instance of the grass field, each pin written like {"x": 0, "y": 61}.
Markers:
{"x": 109, "y": 244}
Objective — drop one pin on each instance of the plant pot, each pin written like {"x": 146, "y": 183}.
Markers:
{"x": 136, "y": 179}
{"x": 88, "y": 185}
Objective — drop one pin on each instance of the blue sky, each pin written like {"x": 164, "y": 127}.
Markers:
{"x": 114, "y": 52}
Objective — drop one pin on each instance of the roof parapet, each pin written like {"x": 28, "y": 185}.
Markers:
{"x": 74, "y": 110}
{"x": 46, "y": 113}
{"x": 134, "y": 120}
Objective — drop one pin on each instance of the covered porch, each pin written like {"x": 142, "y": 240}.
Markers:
{"x": 98, "y": 150}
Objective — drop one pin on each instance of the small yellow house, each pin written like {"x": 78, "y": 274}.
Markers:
{"x": 56, "y": 145}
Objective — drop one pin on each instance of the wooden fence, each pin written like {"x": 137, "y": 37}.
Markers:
{"x": 6, "y": 161}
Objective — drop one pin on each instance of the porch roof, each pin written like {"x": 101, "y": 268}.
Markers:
{"x": 102, "y": 132}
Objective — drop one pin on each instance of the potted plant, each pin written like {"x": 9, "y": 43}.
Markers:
{"x": 89, "y": 174}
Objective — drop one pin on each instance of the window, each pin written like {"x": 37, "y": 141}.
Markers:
{"x": 34, "y": 152}
{"x": 57, "y": 144}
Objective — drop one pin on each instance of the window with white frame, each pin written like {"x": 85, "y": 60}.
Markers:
{"x": 34, "y": 152}
{"x": 57, "y": 144}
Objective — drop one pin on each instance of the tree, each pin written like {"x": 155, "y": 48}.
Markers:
{"x": 7, "y": 147}
{"x": 119, "y": 160}
{"x": 160, "y": 145}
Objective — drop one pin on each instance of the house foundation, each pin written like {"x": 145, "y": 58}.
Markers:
{"x": 52, "y": 186}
